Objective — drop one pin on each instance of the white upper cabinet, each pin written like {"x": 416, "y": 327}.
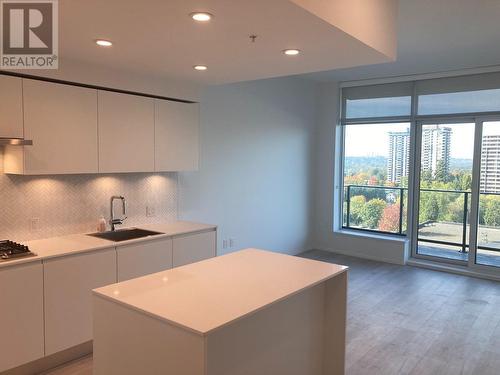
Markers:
{"x": 176, "y": 136}
{"x": 78, "y": 130}
{"x": 62, "y": 122}
{"x": 126, "y": 133}
{"x": 11, "y": 107}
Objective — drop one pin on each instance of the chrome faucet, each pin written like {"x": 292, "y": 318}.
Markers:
{"x": 118, "y": 221}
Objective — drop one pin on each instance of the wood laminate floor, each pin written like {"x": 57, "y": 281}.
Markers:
{"x": 406, "y": 320}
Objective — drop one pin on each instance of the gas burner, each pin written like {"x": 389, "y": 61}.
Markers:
{"x": 11, "y": 250}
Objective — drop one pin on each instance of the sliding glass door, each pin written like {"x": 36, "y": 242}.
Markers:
{"x": 488, "y": 221}
{"x": 457, "y": 193}
{"x": 445, "y": 165}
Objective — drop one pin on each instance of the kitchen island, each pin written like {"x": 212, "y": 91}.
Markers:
{"x": 247, "y": 313}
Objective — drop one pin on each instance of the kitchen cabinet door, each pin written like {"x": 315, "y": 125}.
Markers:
{"x": 21, "y": 314}
{"x": 193, "y": 248}
{"x": 62, "y": 122}
{"x": 11, "y": 107}
{"x": 144, "y": 258}
{"x": 126, "y": 133}
{"x": 68, "y": 282}
{"x": 176, "y": 136}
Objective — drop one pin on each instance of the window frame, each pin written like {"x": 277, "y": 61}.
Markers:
{"x": 414, "y": 119}
{"x": 341, "y": 226}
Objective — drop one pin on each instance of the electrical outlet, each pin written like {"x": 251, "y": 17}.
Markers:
{"x": 150, "y": 211}
{"x": 232, "y": 242}
{"x": 34, "y": 224}
{"x": 224, "y": 244}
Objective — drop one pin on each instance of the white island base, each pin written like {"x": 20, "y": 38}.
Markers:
{"x": 248, "y": 313}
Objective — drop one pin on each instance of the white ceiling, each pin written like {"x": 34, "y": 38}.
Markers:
{"x": 436, "y": 36}
{"x": 157, "y": 37}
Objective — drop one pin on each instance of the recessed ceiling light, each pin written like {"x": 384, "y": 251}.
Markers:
{"x": 103, "y": 43}
{"x": 200, "y": 67}
{"x": 291, "y": 52}
{"x": 201, "y": 16}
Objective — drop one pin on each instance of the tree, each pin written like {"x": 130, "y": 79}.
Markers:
{"x": 389, "y": 222}
{"x": 455, "y": 211}
{"x": 426, "y": 178}
{"x": 441, "y": 174}
{"x": 370, "y": 193}
{"x": 429, "y": 207}
{"x": 356, "y": 208}
{"x": 372, "y": 212}
{"x": 404, "y": 181}
{"x": 373, "y": 181}
{"x": 465, "y": 181}
{"x": 492, "y": 213}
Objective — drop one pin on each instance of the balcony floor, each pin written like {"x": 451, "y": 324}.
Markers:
{"x": 453, "y": 232}
{"x": 484, "y": 257}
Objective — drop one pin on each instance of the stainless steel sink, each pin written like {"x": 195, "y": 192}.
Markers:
{"x": 124, "y": 234}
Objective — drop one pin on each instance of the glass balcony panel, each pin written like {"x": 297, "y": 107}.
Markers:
{"x": 374, "y": 208}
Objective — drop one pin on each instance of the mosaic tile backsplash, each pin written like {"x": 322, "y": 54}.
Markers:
{"x": 33, "y": 207}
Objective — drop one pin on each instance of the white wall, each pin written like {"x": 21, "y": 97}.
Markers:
{"x": 255, "y": 177}
{"x": 324, "y": 237}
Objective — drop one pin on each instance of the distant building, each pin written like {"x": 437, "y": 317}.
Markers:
{"x": 490, "y": 164}
{"x": 436, "y": 142}
{"x": 398, "y": 161}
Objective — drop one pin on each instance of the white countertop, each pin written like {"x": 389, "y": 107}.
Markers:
{"x": 207, "y": 295}
{"x": 76, "y": 243}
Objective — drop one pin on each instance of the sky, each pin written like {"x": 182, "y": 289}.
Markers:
{"x": 373, "y": 140}
{"x": 491, "y": 128}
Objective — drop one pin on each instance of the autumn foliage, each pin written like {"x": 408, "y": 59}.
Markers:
{"x": 389, "y": 222}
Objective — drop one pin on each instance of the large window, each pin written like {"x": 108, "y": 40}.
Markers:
{"x": 434, "y": 143}
{"x": 376, "y": 165}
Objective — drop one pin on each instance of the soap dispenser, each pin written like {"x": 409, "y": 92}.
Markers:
{"x": 101, "y": 227}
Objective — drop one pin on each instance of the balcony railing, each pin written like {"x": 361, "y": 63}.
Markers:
{"x": 443, "y": 214}
{"x": 355, "y": 218}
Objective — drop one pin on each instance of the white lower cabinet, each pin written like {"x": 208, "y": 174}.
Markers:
{"x": 21, "y": 314}
{"x": 144, "y": 258}
{"x": 68, "y": 282}
{"x": 193, "y": 248}
{"x": 47, "y": 307}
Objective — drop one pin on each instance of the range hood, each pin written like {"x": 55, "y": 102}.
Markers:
{"x": 4, "y": 141}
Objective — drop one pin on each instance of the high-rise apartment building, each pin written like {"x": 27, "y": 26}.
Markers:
{"x": 490, "y": 164}
{"x": 436, "y": 142}
{"x": 398, "y": 160}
